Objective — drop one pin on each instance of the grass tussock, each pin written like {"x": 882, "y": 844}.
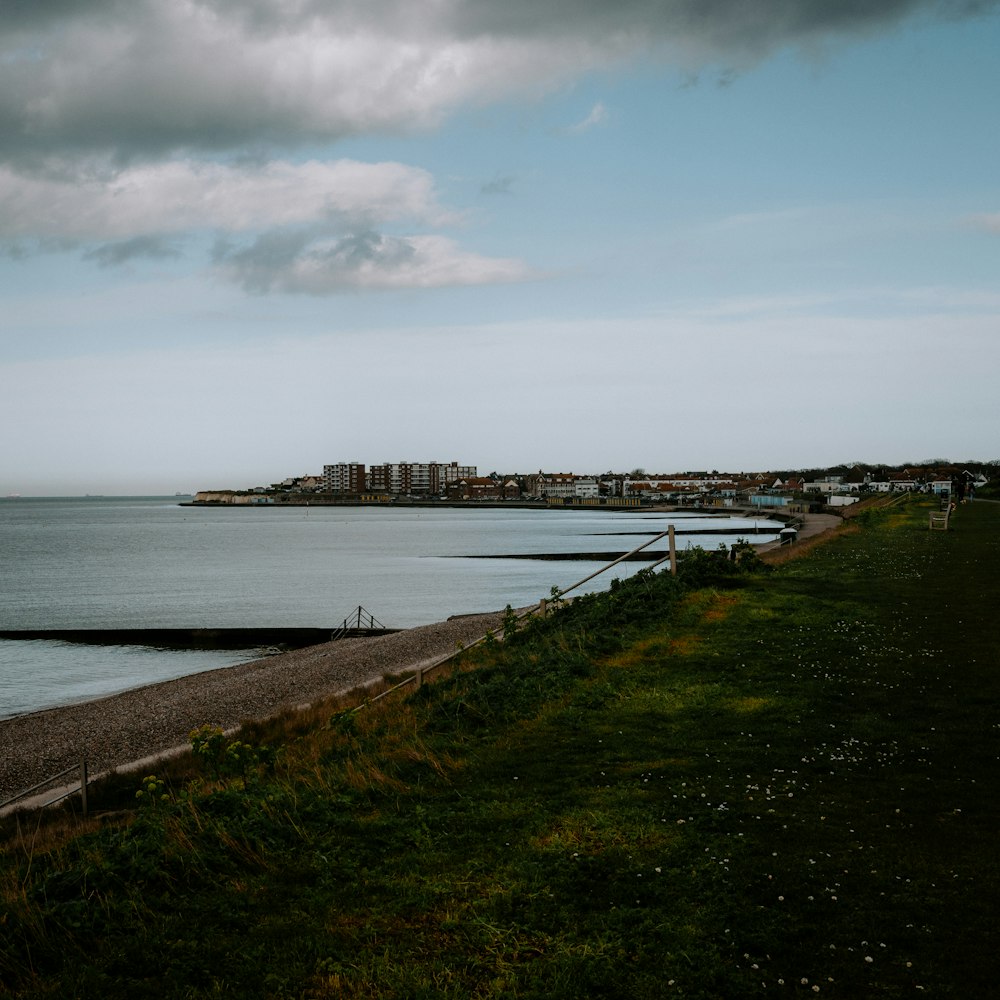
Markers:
{"x": 726, "y": 784}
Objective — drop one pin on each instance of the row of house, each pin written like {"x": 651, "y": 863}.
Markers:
{"x": 456, "y": 481}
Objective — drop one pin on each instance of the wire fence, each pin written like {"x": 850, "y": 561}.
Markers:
{"x": 420, "y": 674}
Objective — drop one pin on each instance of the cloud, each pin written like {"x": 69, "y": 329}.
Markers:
{"x": 598, "y": 116}
{"x": 302, "y": 263}
{"x": 151, "y": 247}
{"x": 299, "y": 228}
{"x": 91, "y": 203}
{"x": 126, "y": 126}
{"x": 499, "y": 185}
{"x": 153, "y": 77}
{"x": 989, "y": 222}
{"x": 170, "y": 76}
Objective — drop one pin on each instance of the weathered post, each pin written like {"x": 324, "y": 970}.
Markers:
{"x": 418, "y": 677}
{"x": 83, "y": 786}
{"x": 673, "y": 550}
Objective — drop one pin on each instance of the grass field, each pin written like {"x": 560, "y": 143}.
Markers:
{"x": 728, "y": 785}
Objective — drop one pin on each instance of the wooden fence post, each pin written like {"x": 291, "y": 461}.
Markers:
{"x": 673, "y": 550}
{"x": 83, "y": 786}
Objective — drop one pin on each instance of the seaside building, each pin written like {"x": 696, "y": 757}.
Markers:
{"x": 344, "y": 477}
{"x": 430, "y": 478}
{"x": 553, "y": 485}
{"x": 483, "y": 488}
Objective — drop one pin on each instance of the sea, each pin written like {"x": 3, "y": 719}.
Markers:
{"x": 156, "y": 562}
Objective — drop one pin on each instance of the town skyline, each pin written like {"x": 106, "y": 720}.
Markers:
{"x": 439, "y": 479}
{"x": 912, "y": 469}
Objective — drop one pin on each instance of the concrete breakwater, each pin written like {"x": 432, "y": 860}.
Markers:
{"x": 196, "y": 638}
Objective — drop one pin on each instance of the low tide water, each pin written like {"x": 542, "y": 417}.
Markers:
{"x": 147, "y": 562}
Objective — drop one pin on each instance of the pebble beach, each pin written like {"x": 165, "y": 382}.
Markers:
{"x": 125, "y": 728}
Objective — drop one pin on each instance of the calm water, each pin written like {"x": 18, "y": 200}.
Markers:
{"x": 149, "y": 562}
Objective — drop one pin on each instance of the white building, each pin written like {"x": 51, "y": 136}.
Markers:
{"x": 557, "y": 484}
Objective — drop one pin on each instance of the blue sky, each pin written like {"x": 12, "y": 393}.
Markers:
{"x": 238, "y": 241}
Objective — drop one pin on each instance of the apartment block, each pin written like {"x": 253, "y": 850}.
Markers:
{"x": 429, "y": 478}
{"x": 344, "y": 477}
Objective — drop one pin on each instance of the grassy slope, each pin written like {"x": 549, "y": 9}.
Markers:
{"x": 761, "y": 786}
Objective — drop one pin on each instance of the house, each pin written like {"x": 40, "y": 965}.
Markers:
{"x": 556, "y": 485}
{"x": 477, "y": 488}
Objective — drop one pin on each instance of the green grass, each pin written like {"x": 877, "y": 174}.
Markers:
{"x": 735, "y": 785}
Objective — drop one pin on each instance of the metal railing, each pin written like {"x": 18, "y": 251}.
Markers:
{"x": 360, "y": 620}
{"x": 80, "y": 768}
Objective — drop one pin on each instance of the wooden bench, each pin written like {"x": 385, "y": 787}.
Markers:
{"x": 939, "y": 519}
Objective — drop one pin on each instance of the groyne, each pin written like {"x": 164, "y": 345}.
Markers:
{"x": 197, "y": 638}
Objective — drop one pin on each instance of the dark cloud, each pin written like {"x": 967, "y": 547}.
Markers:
{"x": 734, "y": 25}
{"x": 309, "y": 262}
{"x": 499, "y": 185}
{"x": 298, "y": 262}
{"x": 121, "y": 251}
{"x": 20, "y": 15}
{"x": 141, "y": 78}
{"x": 256, "y": 266}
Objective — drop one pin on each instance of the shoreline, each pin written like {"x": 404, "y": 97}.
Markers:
{"x": 126, "y": 728}
{"x": 129, "y": 727}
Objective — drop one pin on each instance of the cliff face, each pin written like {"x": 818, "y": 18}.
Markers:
{"x": 216, "y": 496}
{"x": 239, "y": 497}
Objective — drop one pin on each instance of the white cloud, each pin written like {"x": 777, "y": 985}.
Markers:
{"x": 188, "y": 75}
{"x": 598, "y": 116}
{"x": 990, "y": 222}
{"x": 184, "y": 195}
{"x": 311, "y": 227}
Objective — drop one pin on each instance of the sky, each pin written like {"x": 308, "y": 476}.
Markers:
{"x": 241, "y": 239}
